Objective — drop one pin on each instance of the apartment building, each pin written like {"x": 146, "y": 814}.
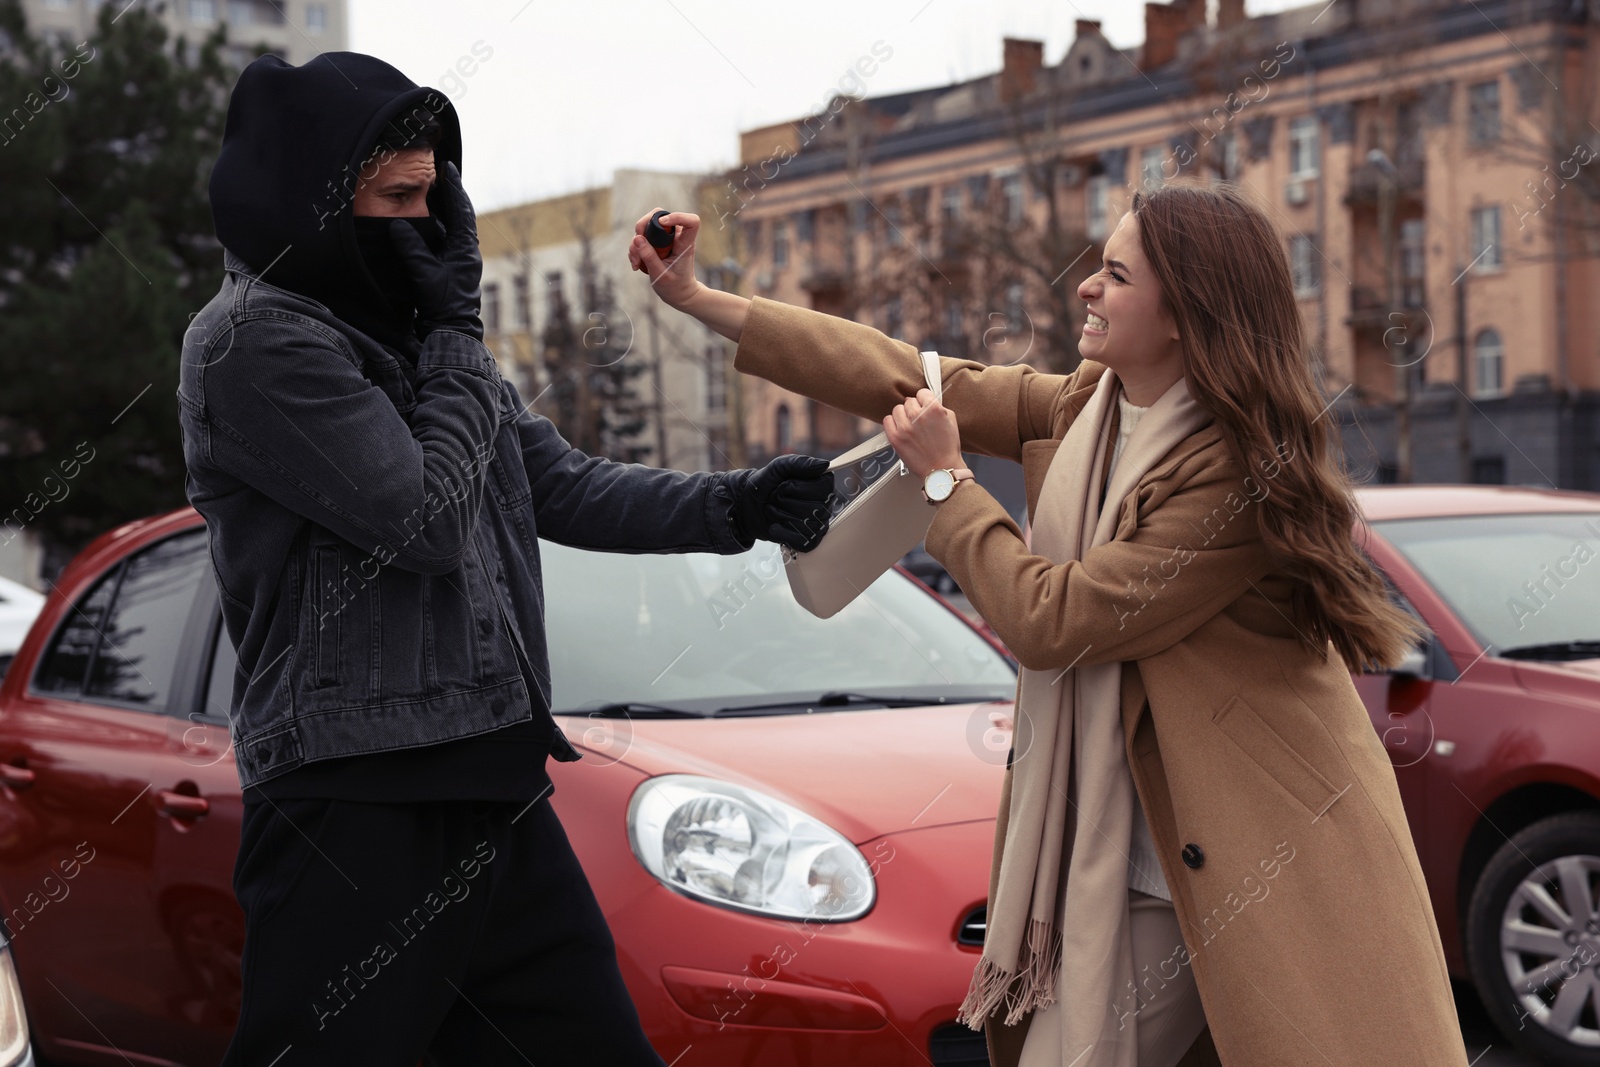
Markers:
{"x": 295, "y": 29}
{"x": 1433, "y": 167}
{"x": 563, "y": 260}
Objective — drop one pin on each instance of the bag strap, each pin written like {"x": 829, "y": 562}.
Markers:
{"x": 930, "y": 371}
{"x": 879, "y": 441}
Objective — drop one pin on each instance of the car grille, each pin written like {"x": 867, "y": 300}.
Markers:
{"x": 953, "y": 1045}
{"x": 971, "y": 929}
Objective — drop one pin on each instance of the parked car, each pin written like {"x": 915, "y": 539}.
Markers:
{"x": 929, "y": 571}
{"x": 786, "y": 820}
{"x": 1494, "y": 731}
{"x": 19, "y": 606}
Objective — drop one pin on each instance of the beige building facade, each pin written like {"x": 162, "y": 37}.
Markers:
{"x": 547, "y": 258}
{"x": 1433, "y": 167}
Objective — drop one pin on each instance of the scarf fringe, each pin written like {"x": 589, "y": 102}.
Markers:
{"x": 1030, "y": 987}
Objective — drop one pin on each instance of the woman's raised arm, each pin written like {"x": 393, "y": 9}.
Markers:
{"x": 847, "y": 365}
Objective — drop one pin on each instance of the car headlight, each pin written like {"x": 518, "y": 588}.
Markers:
{"x": 728, "y": 845}
{"x": 13, "y": 1018}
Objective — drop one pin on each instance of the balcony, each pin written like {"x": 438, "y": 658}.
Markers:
{"x": 1371, "y": 310}
{"x": 822, "y": 278}
{"x": 1367, "y": 183}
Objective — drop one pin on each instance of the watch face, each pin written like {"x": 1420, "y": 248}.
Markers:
{"x": 938, "y": 484}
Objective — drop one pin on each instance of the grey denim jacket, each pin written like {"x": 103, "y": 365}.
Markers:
{"x": 374, "y": 528}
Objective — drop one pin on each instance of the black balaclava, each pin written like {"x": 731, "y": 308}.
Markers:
{"x": 282, "y": 187}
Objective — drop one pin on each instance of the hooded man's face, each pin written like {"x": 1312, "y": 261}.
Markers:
{"x": 399, "y": 188}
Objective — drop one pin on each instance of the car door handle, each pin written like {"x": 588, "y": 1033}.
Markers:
{"x": 15, "y": 776}
{"x": 173, "y": 802}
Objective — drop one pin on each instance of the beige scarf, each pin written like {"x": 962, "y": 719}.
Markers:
{"x": 1072, "y": 794}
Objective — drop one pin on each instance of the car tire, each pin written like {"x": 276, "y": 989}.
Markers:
{"x": 1525, "y": 947}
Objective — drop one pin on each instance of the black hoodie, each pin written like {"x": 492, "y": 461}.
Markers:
{"x": 281, "y": 195}
{"x": 282, "y": 187}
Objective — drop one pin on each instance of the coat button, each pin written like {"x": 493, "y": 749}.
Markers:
{"x": 1192, "y": 855}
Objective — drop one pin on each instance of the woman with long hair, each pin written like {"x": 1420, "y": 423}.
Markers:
{"x": 1201, "y": 851}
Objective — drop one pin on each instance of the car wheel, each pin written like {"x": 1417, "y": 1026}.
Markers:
{"x": 1533, "y": 939}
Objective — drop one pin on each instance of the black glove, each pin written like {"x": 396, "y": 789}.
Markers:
{"x": 786, "y": 501}
{"x": 445, "y": 285}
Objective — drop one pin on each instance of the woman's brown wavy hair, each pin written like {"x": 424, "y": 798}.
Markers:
{"x": 1225, "y": 278}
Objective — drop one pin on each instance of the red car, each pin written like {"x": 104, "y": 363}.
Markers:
{"x": 788, "y": 821}
{"x": 1494, "y": 732}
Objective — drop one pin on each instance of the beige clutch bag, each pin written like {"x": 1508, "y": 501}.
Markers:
{"x": 878, "y": 514}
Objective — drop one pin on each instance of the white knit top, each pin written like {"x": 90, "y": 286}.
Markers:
{"x": 1144, "y": 866}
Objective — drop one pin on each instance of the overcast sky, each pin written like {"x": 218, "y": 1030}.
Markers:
{"x": 573, "y": 89}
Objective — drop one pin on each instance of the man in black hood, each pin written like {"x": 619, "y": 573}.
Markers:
{"x": 374, "y": 493}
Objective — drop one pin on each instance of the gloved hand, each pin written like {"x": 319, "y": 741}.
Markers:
{"x": 445, "y": 286}
{"x": 786, "y": 501}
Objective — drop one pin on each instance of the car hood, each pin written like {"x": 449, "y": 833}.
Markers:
{"x": 1576, "y": 677}
{"x": 866, "y": 773}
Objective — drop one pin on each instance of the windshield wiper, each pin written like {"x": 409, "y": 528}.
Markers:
{"x": 839, "y": 698}
{"x": 624, "y": 709}
{"x": 1554, "y": 650}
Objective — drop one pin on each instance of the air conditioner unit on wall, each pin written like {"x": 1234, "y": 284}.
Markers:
{"x": 1295, "y": 191}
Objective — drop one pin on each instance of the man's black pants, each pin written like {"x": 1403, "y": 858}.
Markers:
{"x": 452, "y": 932}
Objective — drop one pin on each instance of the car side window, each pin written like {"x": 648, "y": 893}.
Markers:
{"x": 127, "y": 632}
{"x": 224, "y": 664}
{"x": 66, "y": 662}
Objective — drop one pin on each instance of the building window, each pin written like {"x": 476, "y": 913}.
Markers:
{"x": 1304, "y": 140}
{"x": 555, "y": 299}
{"x": 520, "y": 312}
{"x": 1408, "y": 142}
{"x": 1014, "y": 310}
{"x": 202, "y": 12}
{"x": 1489, "y": 470}
{"x": 780, "y": 245}
{"x": 950, "y": 204}
{"x": 1150, "y": 162}
{"x": 752, "y": 238}
{"x": 239, "y": 12}
{"x": 1228, "y": 156}
{"x": 491, "y": 308}
{"x": 1097, "y": 223}
{"x": 1413, "y": 260}
{"x": 805, "y": 226}
{"x": 716, "y": 379}
{"x": 953, "y": 324}
{"x": 894, "y": 318}
{"x": 1011, "y": 192}
{"x": 783, "y": 429}
{"x": 1486, "y": 238}
{"x": 893, "y": 235}
{"x": 1303, "y": 267}
{"x": 978, "y": 188}
{"x": 316, "y": 19}
{"x": 1488, "y": 362}
{"x": 917, "y": 197}
{"x": 1483, "y": 112}
{"x": 860, "y": 216}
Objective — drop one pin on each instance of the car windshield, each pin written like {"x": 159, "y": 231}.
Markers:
{"x": 705, "y": 630}
{"x": 1524, "y": 584}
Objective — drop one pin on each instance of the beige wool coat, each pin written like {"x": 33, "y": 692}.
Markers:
{"x": 1271, "y": 801}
